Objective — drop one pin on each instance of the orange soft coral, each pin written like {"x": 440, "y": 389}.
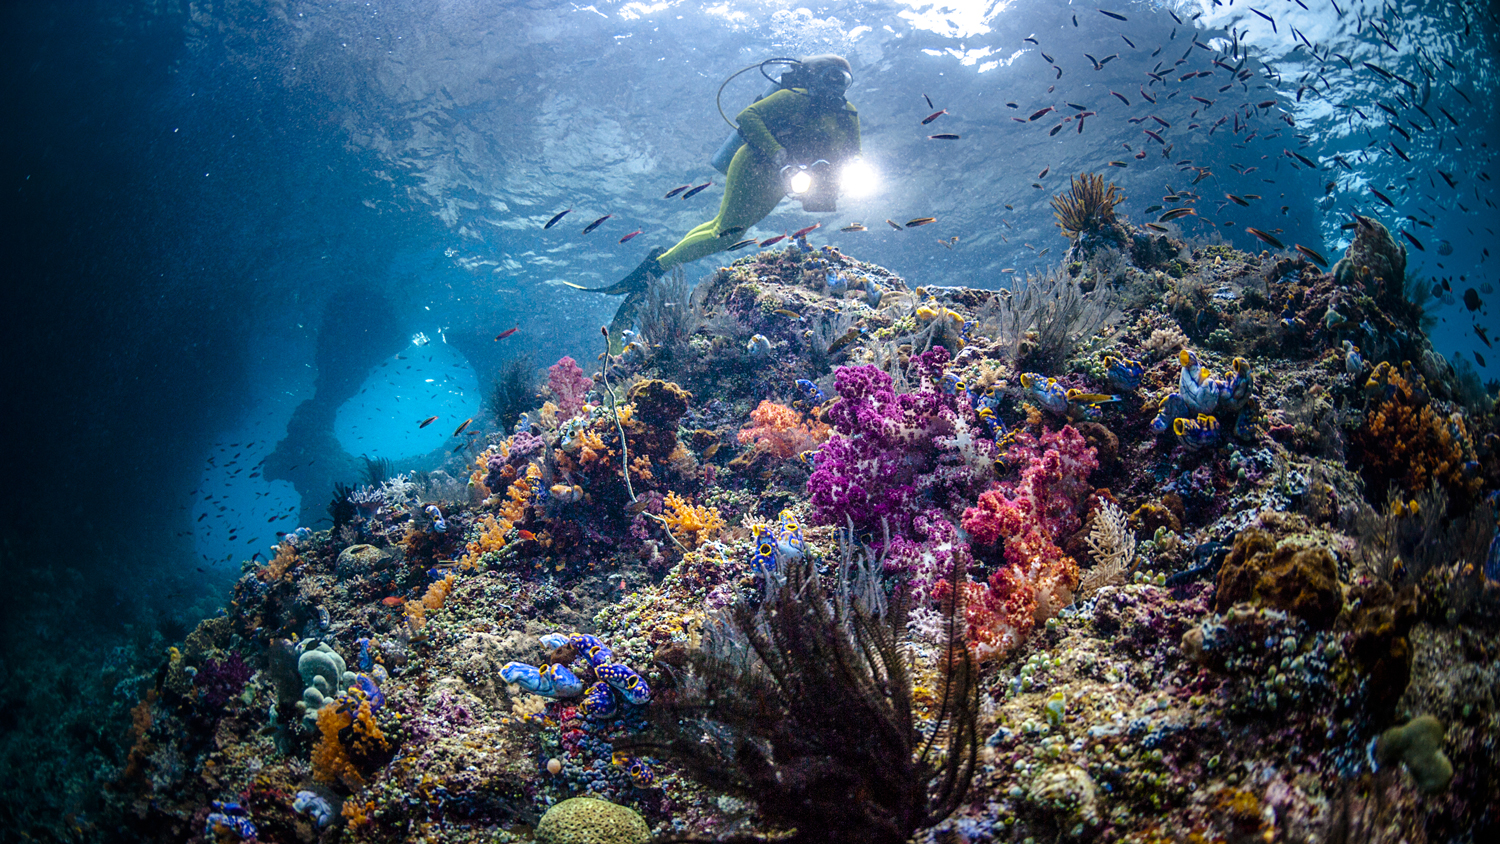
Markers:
{"x": 330, "y": 759}
{"x": 692, "y": 525}
{"x": 285, "y": 560}
{"x": 367, "y": 748}
{"x": 779, "y": 430}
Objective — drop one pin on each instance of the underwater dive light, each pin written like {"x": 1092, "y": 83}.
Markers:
{"x": 858, "y": 179}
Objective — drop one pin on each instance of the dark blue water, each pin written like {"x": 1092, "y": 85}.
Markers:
{"x": 222, "y": 219}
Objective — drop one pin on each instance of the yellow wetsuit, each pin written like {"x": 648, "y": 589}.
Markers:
{"x": 788, "y": 119}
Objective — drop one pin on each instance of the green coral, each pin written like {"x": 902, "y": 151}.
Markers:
{"x": 586, "y": 820}
{"x": 1418, "y": 744}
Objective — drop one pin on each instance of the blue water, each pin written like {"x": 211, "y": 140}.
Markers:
{"x": 227, "y": 217}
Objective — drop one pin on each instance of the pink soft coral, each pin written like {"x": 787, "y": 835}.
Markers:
{"x": 781, "y": 431}
{"x": 569, "y": 386}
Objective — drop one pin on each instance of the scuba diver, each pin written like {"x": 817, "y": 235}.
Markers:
{"x": 805, "y": 126}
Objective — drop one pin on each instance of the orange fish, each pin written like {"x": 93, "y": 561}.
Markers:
{"x": 463, "y": 426}
{"x": 803, "y": 231}
{"x": 393, "y": 601}
{"x": 507, "y": 332}
{"x": 526, "y": 535}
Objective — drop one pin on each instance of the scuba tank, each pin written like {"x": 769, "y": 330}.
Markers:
{"x": 793, "y": 77}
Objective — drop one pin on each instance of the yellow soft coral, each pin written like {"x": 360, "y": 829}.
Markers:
{"x": 692, "y": 525}
{"x": 491, "y": 538}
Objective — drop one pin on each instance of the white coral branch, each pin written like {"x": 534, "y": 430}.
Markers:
{"x": 1112, "y": 545}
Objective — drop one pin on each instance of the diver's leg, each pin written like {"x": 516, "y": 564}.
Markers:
{"x": 750, "y": 193}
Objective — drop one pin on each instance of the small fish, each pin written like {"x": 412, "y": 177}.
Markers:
{"x": 1414, "y": 241}
{"x": 1382, "y": 197}
{"x": 674, "y": 191}
{"x": 1312, "y": 255}
{"x": 934, "y": 116}
{"x": 1267, "y": 238}
{"x": 1118, "y": 164}
{"x": 1043, "y": 174}
{"x": 631, "y": 235}
{"x": 920, "y": 221}
{"x": 461, "y": 428}
{"x": 1269, "y": 18}
{"x": 596, "y": 224}
{"x": 741, "y": 245}
{"x": 772, "y": 240}
{"x": 786, "y": 313}
{"x": 945, "y": 136}
{"x": 854, "y": 227}
{"x": 1039, "y": 114}
{"x": 1237, "y": 200}
{"x": 1115, "y": 15}
{"x": 804, "y": 231}
{"x": 1122, "y": 97}
{"x": 1174, "y": 214}
{"x": 895, "y": 225}
{"x": 731, "y": 231}
{"x": 1152, "y": 209}
{"x": 697, "y": 190}
{"x": 428, "y": 421}
{"x": 507, "y": 332}
{"x": 555, "y": 217}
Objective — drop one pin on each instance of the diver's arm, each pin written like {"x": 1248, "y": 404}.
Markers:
{"x": 757, "y": 118}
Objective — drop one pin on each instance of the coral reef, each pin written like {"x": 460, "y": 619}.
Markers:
{"x": 1162, "y": 545}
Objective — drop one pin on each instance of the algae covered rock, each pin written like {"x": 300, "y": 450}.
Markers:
{"x": 1299, "y": 580}
{"x": 586, "y": 820}
{"x": 358, "y": 560}
{"x": 1418, "y": 744}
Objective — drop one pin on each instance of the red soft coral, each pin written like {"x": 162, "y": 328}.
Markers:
{"x": 1028, "y": 519}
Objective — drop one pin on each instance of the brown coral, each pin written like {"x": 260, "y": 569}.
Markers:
{"x": 1302, "y": 581}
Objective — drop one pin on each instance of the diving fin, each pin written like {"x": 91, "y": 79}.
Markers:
{"x": 625, "y": 318}
{"x": 639, "y": 279}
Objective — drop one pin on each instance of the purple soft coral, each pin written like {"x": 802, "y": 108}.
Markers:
{"x": 219, "y": 680}
{"x": 891, "y": 455}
